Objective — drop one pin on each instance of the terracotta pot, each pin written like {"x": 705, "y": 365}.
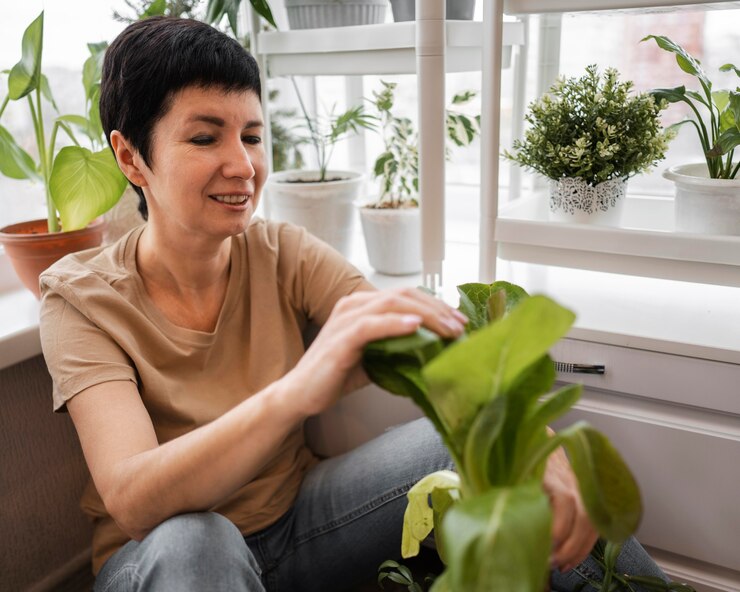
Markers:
{"x": 32, "y": 249}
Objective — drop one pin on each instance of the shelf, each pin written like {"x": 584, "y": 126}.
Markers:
{"x": 645, "y": 245}
{"x": 521, "y": 7}
{"x": 374, "y": 49}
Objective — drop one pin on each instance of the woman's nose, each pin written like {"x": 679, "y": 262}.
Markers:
{"x": 238, "y": 161}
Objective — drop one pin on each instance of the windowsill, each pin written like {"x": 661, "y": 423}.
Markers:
{"x": 19, "y": 327}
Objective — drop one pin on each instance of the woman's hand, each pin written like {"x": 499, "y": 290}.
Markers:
{"x": 332, "y": 364}
{"x": 573, "y": 534}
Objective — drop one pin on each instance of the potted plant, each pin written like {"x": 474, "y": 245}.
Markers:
{"x": 487, "y": 395}
{"x": 457, "y": 10}
{"x": 391, "y": 224}
{"x": 80, "y": 184}
{"x": 321, "y": 200}
{"x": 589, "y": 135}
{"x": 708, "y": 193}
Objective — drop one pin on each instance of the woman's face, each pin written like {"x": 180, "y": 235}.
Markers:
{"x": 208, "y": 163}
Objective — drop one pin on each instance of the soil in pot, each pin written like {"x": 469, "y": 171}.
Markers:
{"x": 32, "y": 249}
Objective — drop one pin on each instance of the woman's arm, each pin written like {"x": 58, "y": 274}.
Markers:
{"x": 143, "y": 483}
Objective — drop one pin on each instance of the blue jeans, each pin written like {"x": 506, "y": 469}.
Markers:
{"x": 345, "y": 522}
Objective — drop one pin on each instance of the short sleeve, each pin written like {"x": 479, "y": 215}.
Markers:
{"x": 322, "y": 276}
{"x": 77, "y": 352}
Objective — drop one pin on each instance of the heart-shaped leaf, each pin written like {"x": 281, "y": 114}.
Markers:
{"x": 26, "y": 74}
{"x": 84, "y": 185}
{"x": 15, "y": 162}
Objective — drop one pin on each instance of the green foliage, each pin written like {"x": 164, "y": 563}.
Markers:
{"x": 592, "y": 128}
{"x": 145, "y": 8}
{"x": 486, "y": 393}
{"x": 80, "y": 185}
{"x": 397, "y": 166}
{"x": 719, "y": 128}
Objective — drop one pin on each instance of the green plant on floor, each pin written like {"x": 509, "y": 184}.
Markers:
{"x": 487, "y": 395}
{"x": 397, "y": 167}
{"x": 80, "y": 184}
{"x": 592, "y": 127}
{"x": 719, "y": 133}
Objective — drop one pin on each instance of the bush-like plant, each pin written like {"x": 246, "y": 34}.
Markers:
{"x": 720, "y": 134}
{"x": 592, "y": 128}
{"x": 397, "y": 167}
{"x": 80, "y": 184}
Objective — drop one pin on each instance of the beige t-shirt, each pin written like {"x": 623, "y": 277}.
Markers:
{"x": 99, "y": 325}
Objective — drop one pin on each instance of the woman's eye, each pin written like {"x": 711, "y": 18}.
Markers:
{"x": 251, "y": 139}
{"x": 202, "y": 140}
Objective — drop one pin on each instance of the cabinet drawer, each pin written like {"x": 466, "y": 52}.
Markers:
{"x": 671, "y": 378}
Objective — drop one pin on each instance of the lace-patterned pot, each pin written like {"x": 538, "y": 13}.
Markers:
{"x": 574, "y": 200}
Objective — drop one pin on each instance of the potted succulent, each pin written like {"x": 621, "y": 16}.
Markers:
{"x": 321, "y": 200}
{"x": 80, "y": 184}
{"x": 589, "y": 135}
{"x": 486, "y": 393}
{"x": 391, "y": 224}
{"x": 708, "y": 193}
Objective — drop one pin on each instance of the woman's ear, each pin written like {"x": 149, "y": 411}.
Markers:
{"x": 129, "y": 160}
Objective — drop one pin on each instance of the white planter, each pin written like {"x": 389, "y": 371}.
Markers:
{"x": 326, "y": 209}
{"x": 393, "y": 239}
{"x": 704, "y": 205}
{"x": 574, "y": 200}
{"x": 316, "y": 14}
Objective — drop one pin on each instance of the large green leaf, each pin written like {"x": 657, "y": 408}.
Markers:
{"x": 480, "y": 443}
{"x": 418, "y": 519}
{"x": 730, "y": 68}
{"x": 609, "y": 491}
{"x": 82, "y": 124}
{"x": 15, "y": 162}
{"x": 499, "y": 540}
{"x": 470, "y": 372}
{"x": 92, "y": 69}
{"x": 672, "y": 95}
{"x": 84, "y": 185}
{"x": 474, "y": 299}
{"x": 728, "y": 140}
{"x": 26, "y": 74}
{"x": 685, "y": 61}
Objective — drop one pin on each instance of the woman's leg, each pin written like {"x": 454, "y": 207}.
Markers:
{"x": 348, "y": 516}
{"x": 190, "y": 552}
{"x": 632, "y": 560}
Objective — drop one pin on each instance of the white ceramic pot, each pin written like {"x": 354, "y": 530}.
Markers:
{"x": 456, "y": 10}
{"x": 704, "y": 205}
{"x": 574, "y": 200}
{"x": 315, "y": 14}
{"x": 326, "y": 209}
{"x": 393, "y": 239}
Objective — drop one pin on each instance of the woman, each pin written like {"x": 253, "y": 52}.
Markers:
{"x": 177, "y": 352}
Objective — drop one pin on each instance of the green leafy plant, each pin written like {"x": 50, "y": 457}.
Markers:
{"x": 719, "y": 134}
{"x": 592, "y": 128}
{"x": 397, "y": 166}
{"x": 487, "y": 395}
{"x": 218, "y": 8}
{"x": 402, "y": 575}
{"x": 80, "y": 184}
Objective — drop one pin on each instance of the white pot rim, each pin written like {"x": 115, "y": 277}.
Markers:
{"x": 281, "y": 177}
{"x": 696, "y": 174}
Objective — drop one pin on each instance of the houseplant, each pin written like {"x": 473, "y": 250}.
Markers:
{"x": 80, "y": 184}
{"x": 321, "y": 200}
{"x": 391, "y": 224}
{"x": 707, "y": 194}
{"x": 461, "y": 10}
{"x": 486, "y": 394}
{"x": 589, "y": 135}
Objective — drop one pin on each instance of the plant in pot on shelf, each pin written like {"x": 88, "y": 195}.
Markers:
{"x": 708, "y": 193}
{"x": 391, "y": 224}
{"x": 321, "y": 200}
{"x": 488, "y": 395}
{"x": 80, "y": 184}
{"x": 457, "y": 10}
{"x": 589, "y": 135}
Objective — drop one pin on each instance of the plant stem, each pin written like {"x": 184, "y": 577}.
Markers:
{"x": 38, "y": 121}
{"x": 5, "y": 104}
{"x": 309, "y": 122}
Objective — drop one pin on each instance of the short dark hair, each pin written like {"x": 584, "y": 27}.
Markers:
{"x": 153, "y": 59}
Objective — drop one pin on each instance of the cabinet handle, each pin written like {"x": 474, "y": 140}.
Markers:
{"x": 570, "y": 367}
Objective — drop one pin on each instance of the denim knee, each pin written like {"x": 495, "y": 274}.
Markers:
{"x": 197, "y": 551}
